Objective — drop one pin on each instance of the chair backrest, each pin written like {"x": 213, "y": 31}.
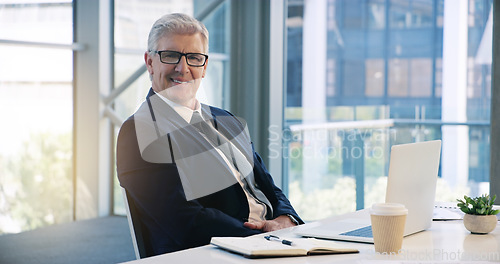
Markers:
{"x": 142, "y": 248}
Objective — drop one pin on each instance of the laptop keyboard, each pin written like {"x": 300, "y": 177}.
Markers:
{"x": 360, "y": 232}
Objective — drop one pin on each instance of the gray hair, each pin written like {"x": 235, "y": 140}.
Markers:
{"x": 176, "y": 23}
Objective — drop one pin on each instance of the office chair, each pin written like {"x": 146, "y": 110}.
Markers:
{"x": 142, "y": 248}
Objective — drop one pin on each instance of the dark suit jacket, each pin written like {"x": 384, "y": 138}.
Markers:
{"x": 172, "y": 221}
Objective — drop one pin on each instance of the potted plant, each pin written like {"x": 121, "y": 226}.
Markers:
{"x": 480, "y": 217}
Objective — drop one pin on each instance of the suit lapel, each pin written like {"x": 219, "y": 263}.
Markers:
{"x": 201, "y": 169}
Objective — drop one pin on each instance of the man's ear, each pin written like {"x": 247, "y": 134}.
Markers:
{"x": 149, "y": 62}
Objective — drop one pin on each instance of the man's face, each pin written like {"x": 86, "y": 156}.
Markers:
{"x": 177, "y": 82}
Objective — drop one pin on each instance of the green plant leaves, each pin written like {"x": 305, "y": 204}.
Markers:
{"x": 482, "y": 205}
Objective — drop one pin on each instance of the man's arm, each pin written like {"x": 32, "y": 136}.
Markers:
{"x": 282, "y": 208}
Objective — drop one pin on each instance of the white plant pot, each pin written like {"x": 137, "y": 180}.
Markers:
{"x": 480, "y": 224}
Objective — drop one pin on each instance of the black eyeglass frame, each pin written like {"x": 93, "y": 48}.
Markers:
{"x": 159, "y": 52}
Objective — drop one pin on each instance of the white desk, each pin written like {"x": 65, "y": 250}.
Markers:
{"x": 445, "y": 241}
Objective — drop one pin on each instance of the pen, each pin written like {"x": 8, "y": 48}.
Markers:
{"x": 275, "y": 238}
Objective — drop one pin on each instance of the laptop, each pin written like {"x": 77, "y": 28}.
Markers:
{"x": 413, "y": 170}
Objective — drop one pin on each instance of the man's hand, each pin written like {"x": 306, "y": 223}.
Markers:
{"x": 279, "y": 222}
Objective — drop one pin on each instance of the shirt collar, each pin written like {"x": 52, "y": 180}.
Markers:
{"x": 185, "y": 112}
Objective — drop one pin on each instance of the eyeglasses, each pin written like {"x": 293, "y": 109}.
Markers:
{"x": 173, "y": 57}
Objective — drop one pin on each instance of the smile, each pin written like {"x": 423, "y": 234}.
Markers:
{"x": 179, "y": 82}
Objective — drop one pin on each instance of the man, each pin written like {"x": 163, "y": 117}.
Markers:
{"x": 190, "y": 168}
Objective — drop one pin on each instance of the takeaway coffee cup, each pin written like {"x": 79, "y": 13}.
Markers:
{"x": 388, "y": 225}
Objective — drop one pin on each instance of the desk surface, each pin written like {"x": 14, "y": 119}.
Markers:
{"x": 445, "y": 241}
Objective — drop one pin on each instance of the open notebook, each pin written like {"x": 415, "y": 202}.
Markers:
{"x": 259, "y": 247}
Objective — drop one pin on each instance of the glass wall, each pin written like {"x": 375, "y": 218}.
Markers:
{"x": 363, "y": 75}
{"x": 36, "y": 184}
{"x": 133, "y": 20}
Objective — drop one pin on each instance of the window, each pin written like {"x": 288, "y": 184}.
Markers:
{"x": 36, "y": 184}
{"x": 387, "y": 80}
{"x": 374, "y": 77}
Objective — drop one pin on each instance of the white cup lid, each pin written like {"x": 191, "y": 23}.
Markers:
{"x": 388, "y": 209}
